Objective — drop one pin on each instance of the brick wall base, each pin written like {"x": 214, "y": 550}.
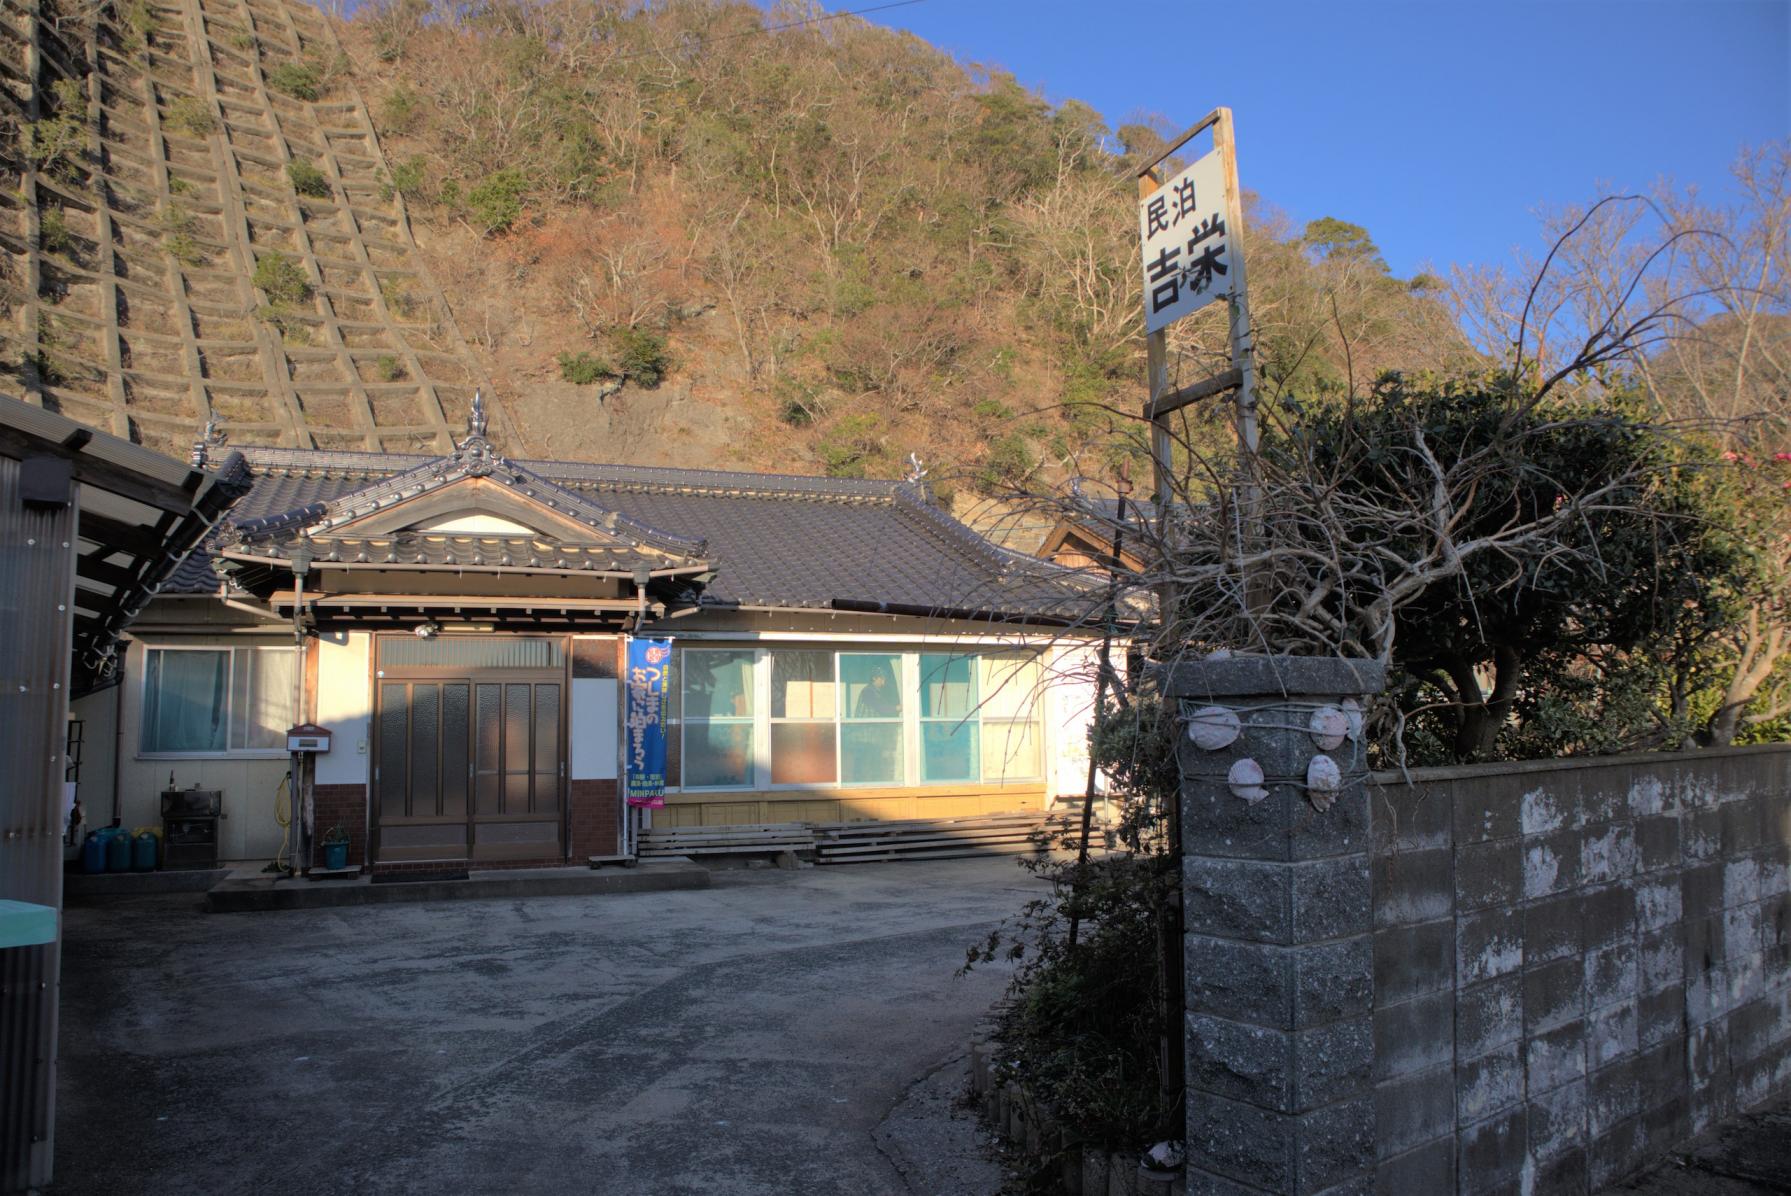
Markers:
{"x": 593, "y": 817}
{"x": 344, "y": 806}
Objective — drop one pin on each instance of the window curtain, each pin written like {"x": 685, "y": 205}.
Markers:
{"x": 184, "y": 708}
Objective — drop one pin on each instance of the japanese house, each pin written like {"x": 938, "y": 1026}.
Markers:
{"x": 842, "y": 650}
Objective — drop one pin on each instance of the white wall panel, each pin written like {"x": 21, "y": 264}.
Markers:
{"x": 594, "y": 729}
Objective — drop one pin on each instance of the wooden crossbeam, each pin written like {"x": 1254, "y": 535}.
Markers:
{"x": 1187, "y": 396}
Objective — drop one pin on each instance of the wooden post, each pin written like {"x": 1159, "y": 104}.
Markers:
{"x": 1243, "y": 360}
{"x": 1242, "y": 375}
{"x": 1156, "y": 349}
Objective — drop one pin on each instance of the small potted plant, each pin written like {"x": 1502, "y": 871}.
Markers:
{"x": 335, "y": 848}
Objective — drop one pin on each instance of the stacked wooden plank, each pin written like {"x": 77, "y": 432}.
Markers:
{"x": 928, "y": 838}
{"x": 751, "y": 839}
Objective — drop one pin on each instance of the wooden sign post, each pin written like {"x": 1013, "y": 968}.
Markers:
{"x": 1198, "y": 244}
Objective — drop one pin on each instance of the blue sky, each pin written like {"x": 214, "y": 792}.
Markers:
{"x": 1440, "y": 126}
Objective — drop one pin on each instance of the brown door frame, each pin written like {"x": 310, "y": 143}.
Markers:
{"x": 473, "y": 677}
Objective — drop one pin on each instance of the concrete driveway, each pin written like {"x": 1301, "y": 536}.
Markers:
{"x": 750, "y": 1038}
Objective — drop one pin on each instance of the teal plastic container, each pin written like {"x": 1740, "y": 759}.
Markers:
{"x": 93, "y": 852}
{"x": 335, "y": 856}
{"x": 143, "y": 853}
{"x": 118, "y": 850}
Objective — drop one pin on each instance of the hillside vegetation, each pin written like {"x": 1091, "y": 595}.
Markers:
{"x": 845, "y": 242}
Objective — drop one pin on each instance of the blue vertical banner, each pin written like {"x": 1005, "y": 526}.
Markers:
{"x": 649, "y": 664}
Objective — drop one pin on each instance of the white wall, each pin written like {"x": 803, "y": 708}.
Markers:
{"x": 248, "y": 830}
{"x": 1068, "y": 713}
{"x": 344, "y": 704}
{"x": 594, "y": 728}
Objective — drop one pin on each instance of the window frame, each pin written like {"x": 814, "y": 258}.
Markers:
{"x": 907, "y": 661}
{"x": 231, "y": 714}
{"x": 758, "y": 757}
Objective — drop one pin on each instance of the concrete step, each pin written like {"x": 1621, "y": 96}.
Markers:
{"x": 240, "y": 894}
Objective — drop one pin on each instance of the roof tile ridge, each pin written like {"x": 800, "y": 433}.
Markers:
{"x": 947, "y": 528}
{"x": 615, "y": 521}
{"x": 713, "y": 480}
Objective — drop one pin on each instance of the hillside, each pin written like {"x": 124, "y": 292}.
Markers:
{"x": 680, "y": 235}
{"x": 853, "y": 246}
{"x": 203, "y": 230}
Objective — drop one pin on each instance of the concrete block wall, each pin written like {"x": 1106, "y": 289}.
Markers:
{"x": 1576, "y": 964}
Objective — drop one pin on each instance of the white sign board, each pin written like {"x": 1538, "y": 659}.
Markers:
{"x": 1187, "y": 255}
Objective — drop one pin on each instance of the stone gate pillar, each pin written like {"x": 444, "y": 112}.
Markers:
{"x": 1277, "y": 946}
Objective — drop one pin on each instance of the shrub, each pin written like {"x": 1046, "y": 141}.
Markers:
{"x": 57, "y": 141}
{"x": 408, "y": 178}
{"x": 189, "y": 114}
{"x": 640, "y": 355}
{"x": 389, "y": 368}
{"x": 496, "y": 203}
{"x": 299, "y": 80}
{"x": 139, "y": 23}
{"x": 851, "y": 445}
{"x": 402, "y": 104}
{"x": 281, "y": 279}
{"x": 1008, "y": 462}
{"x": 799, "y": 403}
{"x": 308, "y": 180}
{"x": 1082, "y": 1028}
{"x": 398, "y": 297}
{"x": 584, "y": 369}
{"x": 52, "y": 226}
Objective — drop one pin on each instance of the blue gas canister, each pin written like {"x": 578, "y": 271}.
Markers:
{"x": 118, "y": 850}
{"x": 143, "y": 852}
{"x": 93, "y": 852}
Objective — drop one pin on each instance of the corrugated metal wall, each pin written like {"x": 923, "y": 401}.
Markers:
{"x": 37, "y": 577}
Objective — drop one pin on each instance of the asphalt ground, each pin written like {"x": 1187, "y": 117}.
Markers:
{"x": 779, "y": 1033}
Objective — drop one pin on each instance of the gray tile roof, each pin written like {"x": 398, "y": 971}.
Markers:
{"x": 776, "y": 540}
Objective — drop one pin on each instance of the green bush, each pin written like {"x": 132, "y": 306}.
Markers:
{"x": 851, "y": 446}
{"x": 1009, "y": 461}
{"x": 389, "y": 368}
{"x": 300, "y": 80}
{"x": 55, "y": 142}
{"x": 398, "y": 297}
{"x": 308, "y": 180}
{"x": 641, "y": 356}
{"x": 52, "y": 226}
{"x": 799, "y": 403}
{"x": 1082, "y": 1027}
{"x": 409, "y": 177}
{"x": 401, "y": 106}
{"x": 496, "y": 203}
{"x": 189, "y": 115}
{"x": 183, "y": 248}
{"x": 583, "y": 369}
{"x": 281, "y": 279}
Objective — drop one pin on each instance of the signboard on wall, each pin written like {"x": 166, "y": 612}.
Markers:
{"x": 649, "y": 664}
{"x": 1187, "y": 252}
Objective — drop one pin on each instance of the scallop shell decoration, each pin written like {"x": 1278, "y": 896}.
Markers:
{"x": 1213, "y": 727}
{"x": 1246, "y": 780}
{"x": 1323, "y": 780}
{"x": 1328, "y": 727}
{"x": 1352, "y": 710}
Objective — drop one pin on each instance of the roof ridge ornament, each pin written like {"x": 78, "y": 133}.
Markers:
{"x": 475, "y": 454}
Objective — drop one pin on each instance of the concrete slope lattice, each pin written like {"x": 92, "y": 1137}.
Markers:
{"x": 196, "y": 221}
